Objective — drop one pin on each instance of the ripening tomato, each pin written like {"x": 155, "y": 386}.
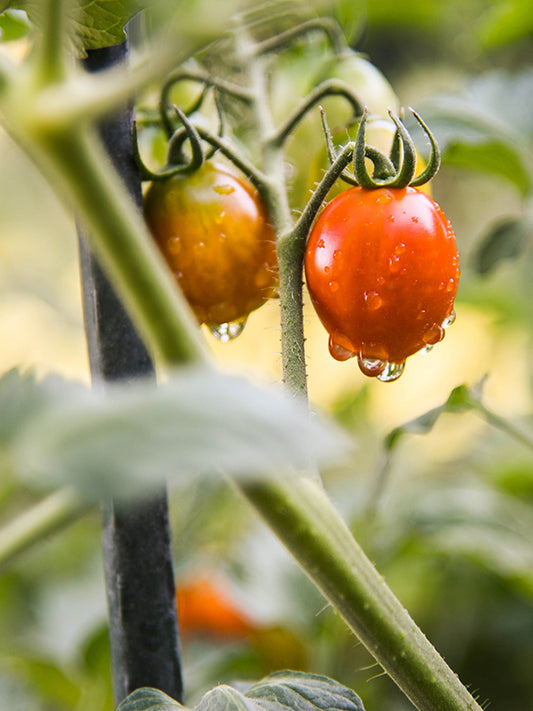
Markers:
{"x": 215, "y": 235}
{"x": 382, "y": 269}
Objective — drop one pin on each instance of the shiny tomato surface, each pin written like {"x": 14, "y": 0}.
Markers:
{"x": 382, "y": 269}
{"x": 215, "y": 235}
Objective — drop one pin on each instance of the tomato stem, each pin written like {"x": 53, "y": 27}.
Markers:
{"x": 332, "y": 87}
{"x": 325, "y": 25}
{"x": 301, "y": 514}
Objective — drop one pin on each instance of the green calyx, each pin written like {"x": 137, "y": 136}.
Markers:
{"x": 396, "y": 170}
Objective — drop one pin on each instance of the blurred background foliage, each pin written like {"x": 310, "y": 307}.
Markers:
{"x": 447, "y": 517}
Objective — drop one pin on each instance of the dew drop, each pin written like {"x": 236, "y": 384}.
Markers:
{"x": 224, "y": 189}
{"x": 384, "y": 198}
{"x": 400, "y": 248}
{"x": 391, "y": 218}
{"x": 225, "y": 332}
{"x": 373, "y": 300}
{"x": 450, "y": 286}
{"x": 334, "y": 286}
{"x": 391, "y": 372}
{"x": 414, "y": 219}
{"x": 433, "y": 335}
{"x": 337, "y": 254}
{"x": 449, "y": 319}
{"x": 339, "y": 352}
{"x": 372, "y": 367}
{"x": 327, "y": 269}
{"x": 427, "y": 349}
{"x": 321, "y": 244}
{"x": 394, "y": 264}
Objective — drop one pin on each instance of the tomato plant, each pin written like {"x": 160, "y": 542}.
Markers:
{"x": 382, "y": 270}
{"x": 215, "y": 235}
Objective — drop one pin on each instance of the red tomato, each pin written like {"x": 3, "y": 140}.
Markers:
{"x": 215, "y": 235}
{"x": 204, "y": 609}
{"x": 382, "y": 270}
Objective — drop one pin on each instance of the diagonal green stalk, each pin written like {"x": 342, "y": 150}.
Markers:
{"x": 54, "y": 513}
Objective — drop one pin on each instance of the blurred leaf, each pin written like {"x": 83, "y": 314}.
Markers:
{"x": 500, "y": 159}
{"x": 488, "y": 126}
{"x": 48, "y": 680}
{"x": 491, "y": 529}
{"x": 132, "y": 437}
{"x": 13, "y": 25}
{"x": 504, "y": 240}
{"x": 506, "y": 22}
{"x": 350, "y": 16}
{"x": 279, "y": 691}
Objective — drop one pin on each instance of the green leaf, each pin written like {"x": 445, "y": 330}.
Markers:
{"x": 492, "y": 156}
{"x": 13, "y": 24}
{"x": 282, "y": 691}
{"x": 94, "y": 23}
{"x": 149, "y": 700}
{"x": 134, "y": 436}
{"x": 506, "y": 239}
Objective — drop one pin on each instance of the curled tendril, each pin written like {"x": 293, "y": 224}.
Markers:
{"x": 397, "y": 170}
{"x": 176, "y": 164}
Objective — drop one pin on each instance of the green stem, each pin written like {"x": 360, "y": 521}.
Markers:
{"x": 326, "y": 26}
{"x": 127, "y": 251}
{"x": 303, "y": 517}
{"x": 50, "y": 515}
{"x": 50, "y": 60}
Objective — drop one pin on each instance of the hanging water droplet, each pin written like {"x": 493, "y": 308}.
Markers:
{"x": 339, "y": 352}
{"x": 433, "y": 335}
{"x": 449, "y": 319}
{"x": 391, "y": 372}
{"x": 428, "y": 348}
{"x": 225, "y": 332}
{"x": 394, "y": 264}
{"x": 372, "y": 367}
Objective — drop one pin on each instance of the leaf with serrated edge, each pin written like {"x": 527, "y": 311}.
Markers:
{"x": 147, "y": 699}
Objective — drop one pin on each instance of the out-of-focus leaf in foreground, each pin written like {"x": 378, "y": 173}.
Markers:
{"x": 128, "y": 438}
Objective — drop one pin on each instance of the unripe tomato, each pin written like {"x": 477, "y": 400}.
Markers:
{"x": 382, "y": 270}
{"x": 215, "y": 235}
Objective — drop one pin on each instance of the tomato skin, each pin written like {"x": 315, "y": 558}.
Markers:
{"x": 215, "y": 235}
{"x": 382, "y": 271}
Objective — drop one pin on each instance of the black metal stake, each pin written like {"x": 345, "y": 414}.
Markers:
{"x": 143, "y": 629}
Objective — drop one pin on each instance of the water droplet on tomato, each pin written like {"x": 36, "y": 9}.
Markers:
{"x": 373, "y": 300}
{"x": 225, "y": 332}
{"x": 327, "y": 269}
{"x": 391, "y": 218}
{"x": 339, "y": 352}
{"x": 394, "y": 264}
{"x": 449, "y": 319}
{"x": 450, "y": 286}
{"x": 391, "y": 372}
{"x": 414, "y": 219}
{"x": 321, "y": 244}
{"x": 334, "y": 285}
{"x": 384, "y": 198}
{"x": 224, "y": 189}
{"x": 337, "y": 254}
{"x": 400, "y": 248}
{"x": 427, "y": 349}
{"x": 433, "y": 335}
{"x": 371, "y": 367}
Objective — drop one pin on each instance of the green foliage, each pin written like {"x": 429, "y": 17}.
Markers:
{"x": 506, "y": 239}
{"x": 283, "y": 690}
{"x": 96, "y": 23}
{"x": 135, "y": 436}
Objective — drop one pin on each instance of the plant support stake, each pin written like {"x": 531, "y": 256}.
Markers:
{"x": 144, "y": 636}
